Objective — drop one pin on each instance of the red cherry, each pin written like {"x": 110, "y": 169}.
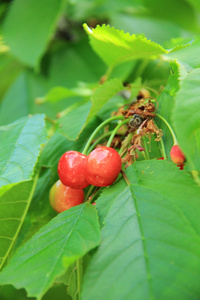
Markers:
{"x": 177, "y": 155}
{"x": 71, "y": 169}
{"x": 63, "y": 197}
{"x": 103, "y": 165}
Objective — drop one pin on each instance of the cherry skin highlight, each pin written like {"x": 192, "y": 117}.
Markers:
{"x": 71, "y": 169}
{"x": 177, "y": 155}
{"x": 62, "y": 197}
{"x": 103, "y": 165}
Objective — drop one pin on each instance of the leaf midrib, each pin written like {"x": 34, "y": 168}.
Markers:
{"x": 143, "y": 242}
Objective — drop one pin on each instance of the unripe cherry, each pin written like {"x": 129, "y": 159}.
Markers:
{"x": 62, "y": 197}
{"x": 71, "y": 169}
{"x": 177, "y": 155}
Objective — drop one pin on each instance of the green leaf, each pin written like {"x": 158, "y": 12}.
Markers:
{"x": 186, "y": 118}
{"x": 188, "y": 55}
{"x": 143, "y": 24}
{"x": 166, "y": 103}
{"x": 10, "y": 67}
{"x": 103, "y": 93}
{"x": 53, "y": 249}
{"x": 20, "y": 146}
{"x": 11, "y": 110}
{"x": 79, "y": 114}
{"x": 115, "y": 47}
{"x": 59, "y": 93}
{"x": 150, "y": 239}
{"x": 72, "y": 123}
{"x": 27, "y": 36}
{"x": 13, "y": 208}
{"x": 70, "y": 279}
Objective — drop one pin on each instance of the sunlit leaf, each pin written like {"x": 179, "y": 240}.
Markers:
{"x": 115, "y": 46}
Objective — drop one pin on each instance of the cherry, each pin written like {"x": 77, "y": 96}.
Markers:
{"x": 71, "y": 169}
{"x": 103, "y": 165}
{"x": 177, "y": 155}
{"x": 63, "y": 197}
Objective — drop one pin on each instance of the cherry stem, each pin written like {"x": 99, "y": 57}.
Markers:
{"x": 115, "y": 131}
{"x": 85, "y": 150}
{"x": 98, "y": 140}
{"x": 163, "y": 148}
{"x": 53, "y": 122}
{"x": 125, "y": 177}
{"x": 170, "y": 129}
{"x": 89, "y": 192}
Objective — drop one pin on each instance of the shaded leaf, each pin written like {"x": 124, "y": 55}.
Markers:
{"x": 27, "y": 36}
{"x": 53, "y": 249}
{"x": 13, "y": 208}
{"x": 11, "y": 68}
{"x": 103, "y": 93}
{"x": 79, "y": 114}
{"x": 72, "y": 123}
{"x": 150, "y": 239}
{"x": 58, "y": 93}
{"x": 20, "y": 146}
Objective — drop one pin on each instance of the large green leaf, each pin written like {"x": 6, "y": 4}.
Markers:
{"x": 13, "y": 208}
{"x": 115, "y": 47}
{"x": 27, "y": 36}
{"x": 186, "y": 118}
{"x": 53, "y": 249}
{"x": 20, "y": 146}
{"x": 150, "y": 238}
{"x": 15, "y": 102}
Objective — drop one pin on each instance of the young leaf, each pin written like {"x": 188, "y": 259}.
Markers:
{"x": 27, "y": 36}
{"x": 186, "y": 118}
{"x": 115, "y": 46}
{"x": 14, "y": 204}
{"x": 151, "y": 239}
{"x": 53, "y": 249}
{"x": 20, "y": 146}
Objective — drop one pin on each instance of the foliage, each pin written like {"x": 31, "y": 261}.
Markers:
{"x": 71, "y": 70}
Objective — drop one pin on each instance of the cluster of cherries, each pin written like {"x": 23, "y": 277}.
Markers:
{"x": 76, "y": 171}
{"x": 100, "y": 168}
